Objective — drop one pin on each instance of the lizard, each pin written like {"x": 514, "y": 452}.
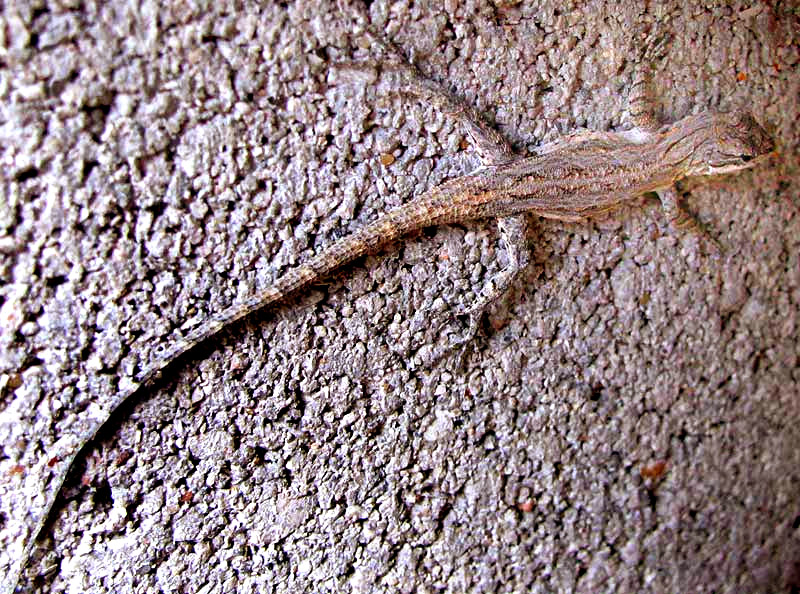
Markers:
{"x": 580, "y": 175}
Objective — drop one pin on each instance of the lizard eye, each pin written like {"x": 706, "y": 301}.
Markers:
{"x": 746, "y": 158}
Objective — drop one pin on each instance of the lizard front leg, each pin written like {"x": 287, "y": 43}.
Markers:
{"x": 641, "y": 105}
{"x": 683, "y": 221}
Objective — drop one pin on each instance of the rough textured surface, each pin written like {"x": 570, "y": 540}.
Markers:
{"x": 630, "y": 420}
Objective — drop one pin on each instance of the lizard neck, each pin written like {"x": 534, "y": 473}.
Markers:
{"x": 679, "y": 143}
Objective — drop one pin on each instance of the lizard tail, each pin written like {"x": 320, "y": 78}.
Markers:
{"x": 444, "y": 204}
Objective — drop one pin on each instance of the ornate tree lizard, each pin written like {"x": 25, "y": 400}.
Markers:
{"x": 580, "y": 175}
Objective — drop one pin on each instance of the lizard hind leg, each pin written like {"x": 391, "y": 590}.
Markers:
{"x": 513, "y": 235}
{"x": 491, "y": 146}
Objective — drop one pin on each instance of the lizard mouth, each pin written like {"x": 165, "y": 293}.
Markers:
{"x": 730, "y": 163}
{"x": 720, "y": 168}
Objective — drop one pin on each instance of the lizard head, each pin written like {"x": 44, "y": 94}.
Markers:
{"x": 725, "y": 142}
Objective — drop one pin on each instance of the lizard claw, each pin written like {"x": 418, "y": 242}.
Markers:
{"x": 715, "y": 246}
{"x": 456, "y": 340}
{"x": 468, "y": 318}
{"x": 692, "y": 226}
{"x": 655, "y": 46}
